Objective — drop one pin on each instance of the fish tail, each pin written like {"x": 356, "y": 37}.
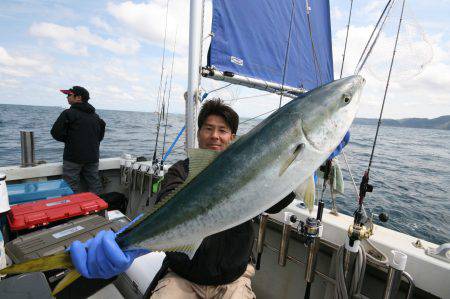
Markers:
{"x": 46, "y": 263}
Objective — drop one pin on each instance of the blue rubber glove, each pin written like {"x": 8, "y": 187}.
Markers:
{"x": 101, "y": 257}
{"x": 341, "y": 145}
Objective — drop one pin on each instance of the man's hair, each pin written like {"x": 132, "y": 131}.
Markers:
{"x": 82, "y": 92}
{"x": 218, "y": 107}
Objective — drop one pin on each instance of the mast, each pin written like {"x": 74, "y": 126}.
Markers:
{"x": 195, "y": 49}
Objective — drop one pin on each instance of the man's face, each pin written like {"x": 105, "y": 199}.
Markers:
{"x": 72, "y": 99}
{"x": 214, "y": 134}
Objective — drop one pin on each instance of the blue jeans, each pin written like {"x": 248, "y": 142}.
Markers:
{"x": 74, "y": 172}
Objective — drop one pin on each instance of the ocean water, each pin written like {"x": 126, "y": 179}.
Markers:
{"x": 410, "y": 170}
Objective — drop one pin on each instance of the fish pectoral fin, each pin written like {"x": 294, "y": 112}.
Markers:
{"x": 51, "y": 262}
{"x": 307, "y": 191}
{"x": 291, "y": 158}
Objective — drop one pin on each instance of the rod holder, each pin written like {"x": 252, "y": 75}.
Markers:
{"x": 397, "y": 264}
{"x": 261, "y": 236}
{"x": 27, "y": 148}
{"x": 289, "y": 219}
{"x": 311, "y": 230}
{"x": 4, "y": 199}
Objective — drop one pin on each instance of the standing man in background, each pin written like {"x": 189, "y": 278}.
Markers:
{"x": 81, "y": 130}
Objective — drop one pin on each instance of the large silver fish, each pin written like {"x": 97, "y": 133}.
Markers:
{"x": 254, "y": 173}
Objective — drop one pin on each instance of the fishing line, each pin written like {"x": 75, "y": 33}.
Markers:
{"x": 158, "y": 100}
{"x": 387, "y": 86}
{"x": 350, "y": 173}
{"x": 168, "y": 98}
{"x": 287, "y": 52}
{"x": 384, "y": 15}
{"x": 364, "y": 185}
{"x": 346, "y": 37}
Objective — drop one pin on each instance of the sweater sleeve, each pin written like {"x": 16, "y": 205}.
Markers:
{"x": 174, "y": 177}
{"x": 102, "y": 129}
{"x": 281, "y": 204}
{"x": 59, "y": 129}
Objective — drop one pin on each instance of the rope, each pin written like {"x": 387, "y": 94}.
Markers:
{"x": 346, "y": 37}
{"x": 316, "y": 60}
{"x": 173, "y": 144}
{"x": 287, "y": 52}
{"x": 340, "y": 289}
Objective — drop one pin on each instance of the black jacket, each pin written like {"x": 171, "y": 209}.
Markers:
{"x": 222, "y": 257}
{"x": 81, "y": 129}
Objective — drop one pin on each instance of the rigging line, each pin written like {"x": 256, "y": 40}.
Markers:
{"x": 287, "y": 52}
{"x": 346, "y": 37}
{"x": 257, "y": 116}
{"x": 387, "y": 85}
{"x": 168, "y": 98}
{"x": 316, "y": 60}
{"x": 358, "y": 69}
{"x": 253, "y": 96}
{"x": 197, "y": 96}
{"x": 158, "y": 101}
{"x": 217, "y": 89}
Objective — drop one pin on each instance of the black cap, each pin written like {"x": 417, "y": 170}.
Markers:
{"x": 78, "y": 91}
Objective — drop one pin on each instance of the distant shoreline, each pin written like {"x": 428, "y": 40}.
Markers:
{"x": 440, "y": 123}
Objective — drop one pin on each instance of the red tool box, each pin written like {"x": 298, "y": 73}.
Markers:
{"x": 43, "y": 212}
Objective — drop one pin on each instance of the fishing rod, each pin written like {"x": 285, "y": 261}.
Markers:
{"x": 311, "y": 229}
{"x": 354, "y": 256}
{"x": 168, "y": 100}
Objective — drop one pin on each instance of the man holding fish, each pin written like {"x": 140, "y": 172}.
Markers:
{"x": 206, "y": 218}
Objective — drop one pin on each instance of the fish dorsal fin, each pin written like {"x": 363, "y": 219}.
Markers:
{"x": 199, "y": 159}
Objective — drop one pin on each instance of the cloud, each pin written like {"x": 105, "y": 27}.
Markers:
{"x": 420, "y": 81}
{"x": 149, "y": 21}
{"x": 20, "y": 66}
{"x": 75, "y": 41}
{"x": 100, "y": 23}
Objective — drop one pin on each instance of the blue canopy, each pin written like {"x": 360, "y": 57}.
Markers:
{"x": 250, "y": 38}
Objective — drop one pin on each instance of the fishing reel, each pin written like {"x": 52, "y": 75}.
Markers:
{"x": 362, "y": 227}
{"x": 310, "y": 229}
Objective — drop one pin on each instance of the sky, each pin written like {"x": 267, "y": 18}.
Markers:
{"x": 115, "y": 50}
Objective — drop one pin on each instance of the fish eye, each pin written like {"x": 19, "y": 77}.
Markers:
{"x": 346, "y": 98}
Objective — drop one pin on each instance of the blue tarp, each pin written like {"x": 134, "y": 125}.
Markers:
{"x": 251, "y": 36}
{"x": 32, "y": 191}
